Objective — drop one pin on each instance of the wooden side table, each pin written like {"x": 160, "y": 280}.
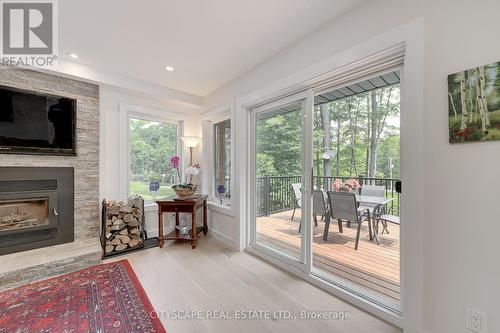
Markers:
{"x": 174, "y": 205}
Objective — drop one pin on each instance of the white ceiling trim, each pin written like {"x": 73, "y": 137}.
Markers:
{"x": 91, "y": 74}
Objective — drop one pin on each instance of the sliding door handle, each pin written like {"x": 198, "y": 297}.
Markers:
{"x": 398, "y": 186}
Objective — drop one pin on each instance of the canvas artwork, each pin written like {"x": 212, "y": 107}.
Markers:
{"x": 474, "y": 104}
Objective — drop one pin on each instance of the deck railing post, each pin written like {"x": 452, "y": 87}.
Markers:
{"x": 360, "y": 181}
{"x": 267, "y": 195}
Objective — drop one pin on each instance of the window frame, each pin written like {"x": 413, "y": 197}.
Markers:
{"x": 214, "y": 162}
{"x": 209, "y": 119}
{"x": 128, "y": 112}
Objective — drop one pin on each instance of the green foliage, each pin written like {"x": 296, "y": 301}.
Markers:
{"x": 222, "y": 154}
{"x": 389, "y": 150}
{"x": 351, "y": 132}
{"x": 154, "y": 176}
{"x": 151, "y": 146}
{"x": 279, "y": 144}
{"x": 279, "y": 137}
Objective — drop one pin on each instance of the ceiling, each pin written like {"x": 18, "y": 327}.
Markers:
{"x": 208, "y": 42}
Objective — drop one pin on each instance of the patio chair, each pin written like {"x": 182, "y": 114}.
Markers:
{"x": 298, "y": 197}
{"x": 372, "y": 191}
{"x": 343, "y": 206}
{"x": 320, "y": 207}
{"x": 387, "y": 218}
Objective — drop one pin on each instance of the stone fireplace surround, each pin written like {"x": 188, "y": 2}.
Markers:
{"x": 22, "y": 267}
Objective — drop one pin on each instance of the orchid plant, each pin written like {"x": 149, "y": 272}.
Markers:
{"x": 175, "y": 162}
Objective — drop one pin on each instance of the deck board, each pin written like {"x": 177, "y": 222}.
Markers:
{"x": 373, "y": 266}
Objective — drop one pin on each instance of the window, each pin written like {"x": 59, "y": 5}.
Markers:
{"x": 151, "y": 146}
{"x": 222, "y": 155}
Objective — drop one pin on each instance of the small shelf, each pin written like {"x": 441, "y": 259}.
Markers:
{"x": 176, "y": 234}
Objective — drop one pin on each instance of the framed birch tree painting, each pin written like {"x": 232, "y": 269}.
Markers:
{"x": 474, "y": 104}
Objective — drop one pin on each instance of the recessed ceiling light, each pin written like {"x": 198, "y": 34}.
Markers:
{"x": 73, "y": 55}
{"x": 169, "y": 68}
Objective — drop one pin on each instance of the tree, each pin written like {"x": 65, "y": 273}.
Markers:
{"x": 279, "y": 144}
{"x": 389, "y": 149}
{"x": 357, "y": 128}
{"x": 353, "y": 120}
{"x": 379, "y": 111}
{"x": 374, "y": 138}
{"x": 463, "y": 102}
{"x": 327, "y": 144}
{"x": 151, "y": 146}
{"x": 473, "y": 110}
{"x": 480, "y": 98}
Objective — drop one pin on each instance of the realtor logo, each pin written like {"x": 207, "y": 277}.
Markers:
{"x": 28, "y": 33}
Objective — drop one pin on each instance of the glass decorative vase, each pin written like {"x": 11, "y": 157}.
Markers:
{"x": 184, "y": 225}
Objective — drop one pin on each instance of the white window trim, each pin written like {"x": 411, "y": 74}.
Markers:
{"x": 130, "y": 111}
{"x": 209, "y": 119}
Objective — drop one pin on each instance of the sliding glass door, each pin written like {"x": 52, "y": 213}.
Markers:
{"x": 279, "y": 180}
{"x": 325, "y": 168}
{"x": 357, "y": 153}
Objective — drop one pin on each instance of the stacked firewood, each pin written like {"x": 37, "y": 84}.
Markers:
{"x": 124, "y": 224}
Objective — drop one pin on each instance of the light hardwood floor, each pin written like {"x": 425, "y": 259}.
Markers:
{"x": 215, "y": 277}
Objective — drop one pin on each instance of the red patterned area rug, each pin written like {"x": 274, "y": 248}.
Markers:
{"x": 102, "y": 298}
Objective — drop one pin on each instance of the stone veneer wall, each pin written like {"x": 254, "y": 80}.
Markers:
{"x": 86, "y": 163}
{"x": 43, "y": 271}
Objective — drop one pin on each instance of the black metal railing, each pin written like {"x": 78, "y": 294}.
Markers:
{"x": 275, "y": 193}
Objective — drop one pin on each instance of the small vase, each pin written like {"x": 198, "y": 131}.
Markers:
{"x": 184, "y": 225}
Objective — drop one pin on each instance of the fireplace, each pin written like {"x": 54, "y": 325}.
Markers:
{"x": 24, "y": 213}
{"x": 36, "y": 207}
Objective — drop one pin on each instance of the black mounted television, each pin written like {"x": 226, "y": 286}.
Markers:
{"x": 36, "y": 123}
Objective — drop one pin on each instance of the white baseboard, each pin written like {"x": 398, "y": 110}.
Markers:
{"x": 223, "y": 238}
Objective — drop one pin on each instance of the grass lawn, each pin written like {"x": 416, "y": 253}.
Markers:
{"x": 142, "y": 189}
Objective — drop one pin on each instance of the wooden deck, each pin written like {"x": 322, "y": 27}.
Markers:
{"x": 373, "y": 266}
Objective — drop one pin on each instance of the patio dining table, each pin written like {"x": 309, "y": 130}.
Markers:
{"x": 378, "y": 203}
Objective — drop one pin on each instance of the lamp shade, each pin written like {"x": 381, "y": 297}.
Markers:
{"x": 191, "y": 141}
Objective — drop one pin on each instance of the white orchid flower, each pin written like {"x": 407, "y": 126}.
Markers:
{"x": 192, "y": 171}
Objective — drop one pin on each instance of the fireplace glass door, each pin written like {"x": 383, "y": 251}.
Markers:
{"x": 23, "y": 213}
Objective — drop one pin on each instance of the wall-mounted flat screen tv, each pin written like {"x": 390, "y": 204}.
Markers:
{"x": 36, "y": 123}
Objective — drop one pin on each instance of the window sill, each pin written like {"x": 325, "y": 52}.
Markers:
{"x": 223, "y": 209}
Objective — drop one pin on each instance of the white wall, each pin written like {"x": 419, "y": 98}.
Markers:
{"x": 223, "y": 226}
{"x": 460, "y": 238}
{"x": 461, "y": 243}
